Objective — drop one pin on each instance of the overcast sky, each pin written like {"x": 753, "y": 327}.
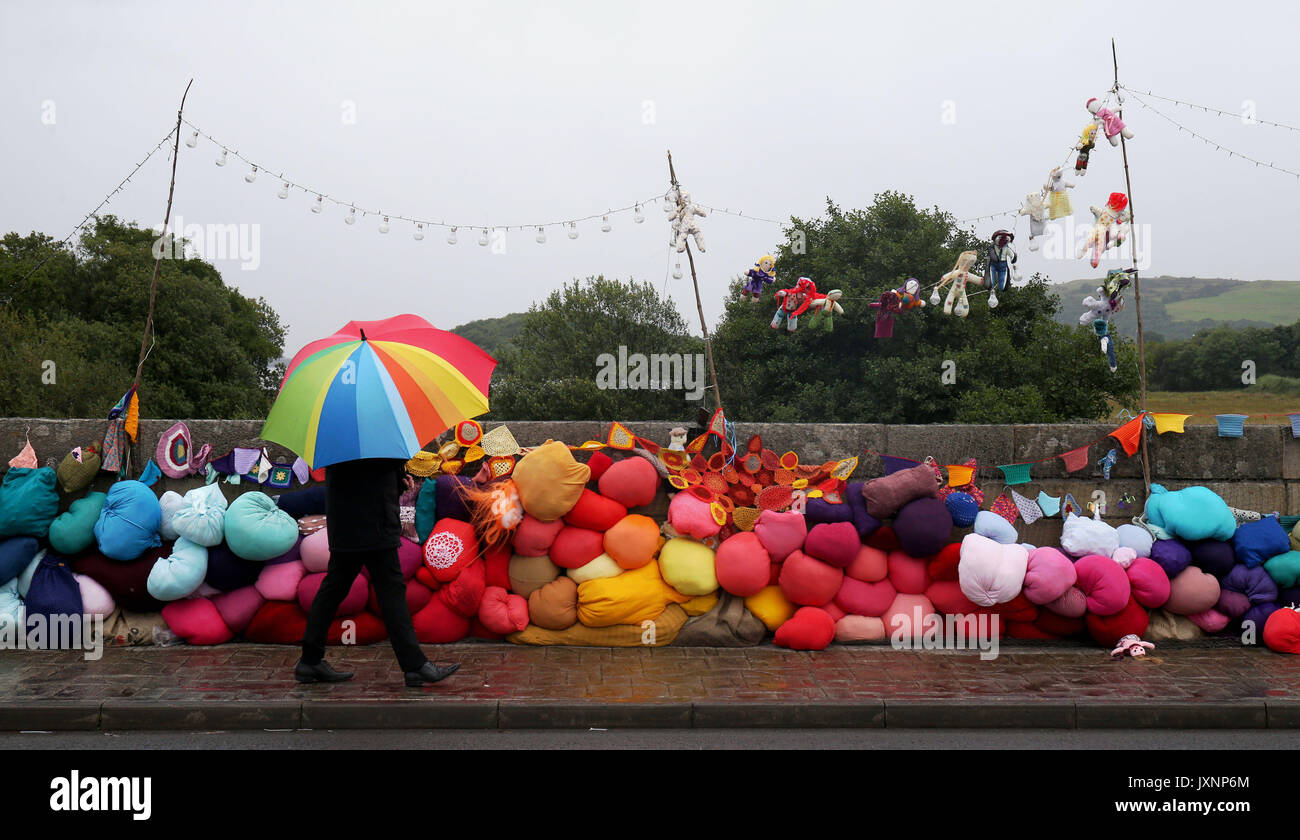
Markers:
{"x": 537, "y": 112}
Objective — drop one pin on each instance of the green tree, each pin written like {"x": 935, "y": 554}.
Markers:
{"x": 214, "y": 351}
{"x": 1013, "y": 364}
{"x": 550, "y": 370}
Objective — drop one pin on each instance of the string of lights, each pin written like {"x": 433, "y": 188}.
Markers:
{"x": 1237, "y": 115}
{"x": 1217, "y": 145}
{"x": 353, "y": 210}
{"x": 117, "y": 189}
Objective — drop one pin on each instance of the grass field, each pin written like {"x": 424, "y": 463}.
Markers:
{"x": 1265, "y": 300}
{"x": 1205, "y": 404}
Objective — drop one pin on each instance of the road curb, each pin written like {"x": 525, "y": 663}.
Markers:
{"x": 120, "y": 714}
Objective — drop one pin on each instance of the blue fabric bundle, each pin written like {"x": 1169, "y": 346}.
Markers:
{"x": 227, "y": 571}
{"x": 1256, "y": 542}
{"x": 1214, "y": 557}
{"x": 1193, "y": 513}
{"x": 963, "y": 508}
{"x": 16, "y": 554}
{"x": 1172, "y": 556}
{"x": 54, "y": 595}
{"x": 177, "y": 576}
{"x": 129, "y": 522}
{"x": 863, "y": 521}
{"x": 451, "y": 504}
{"x": 29, "y": 501}
{"x": 258, "y": 530}
{"x": 997, "y": 528}
{"x": 307, "y": 502}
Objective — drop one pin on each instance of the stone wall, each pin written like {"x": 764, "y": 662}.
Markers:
{"x": 1260, "y": 471}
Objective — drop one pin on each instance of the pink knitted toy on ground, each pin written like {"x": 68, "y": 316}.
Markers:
{"x": 1132, "y": 645}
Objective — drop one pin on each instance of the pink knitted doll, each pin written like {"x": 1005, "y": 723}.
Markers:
{"x": 1111, "y": 124}
{"x": 1133, "y": 646}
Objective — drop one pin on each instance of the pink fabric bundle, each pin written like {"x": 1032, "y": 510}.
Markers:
{"x": 886, "y": 495}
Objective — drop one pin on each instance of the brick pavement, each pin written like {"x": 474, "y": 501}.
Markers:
{"x": 1251, "y": 686}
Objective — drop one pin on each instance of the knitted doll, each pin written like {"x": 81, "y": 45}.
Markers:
{"x": 894, "y": 301}
{"x": 825, "y": 308}
{"x": 759, "y": 276}
{"x": 1058, "y": 199}
{"x": 684, "y": 226}
{"x": 1110, "y": 122}
{"x": 792, "y": 303}
{"x": 1035, "y": 207}
{"x": 956, "y": 303}
{"x": 1087, "y": 140}
{"x": 1110, "y": 229}
{"x": 1002, "y": 261}
{"x": 1131, "y": 645}
{"x": 1101, "y": 309}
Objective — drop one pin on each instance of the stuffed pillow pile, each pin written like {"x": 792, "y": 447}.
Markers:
{"x": 168, "y": 504}
{"x": 1104, "y": 584}
{"x": 691, "y": 516}
{"x": 781, "y": 533}
{"x": 808, "y": 581}
{"x": 1048, "y": 576}
{"x": 836, "y": 543}
{"x": 688, "y": 567}
{"x": 997, "y": 528}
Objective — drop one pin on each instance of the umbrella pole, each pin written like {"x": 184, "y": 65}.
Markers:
{"x": 704, "y": 327}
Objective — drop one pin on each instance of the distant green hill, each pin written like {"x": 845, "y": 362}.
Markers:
{"x": 1179, "y": 307}
{"x": 492, "y": 334}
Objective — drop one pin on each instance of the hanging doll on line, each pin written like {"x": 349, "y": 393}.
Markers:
{"x": 1109, "y": 230}
{"x": 759, "y": 276}
{"x": 1110, "y": 122}
{"x": 957, "y": 303}
{"x": 894, "y": 301}
{"x": 791, "y": 303}
{"x": 825, "y": 308}
{"x": 684, "y": 225}
{"x": 1087, "y": 142}
{"x": 1035, "y": 207}
{"x": 1058, "y": 200}
{"x": 1101, "y": 309}
{"x": 1002, "y": 264}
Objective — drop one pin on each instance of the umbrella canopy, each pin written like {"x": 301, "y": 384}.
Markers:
{"x": 377, "y": 389}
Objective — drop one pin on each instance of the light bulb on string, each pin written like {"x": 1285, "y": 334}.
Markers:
{"x": 319, "y": 204}
{"x": 638, "y": 216}
{"x": 677, "y": 271}
{"x": 483, "y": 237}
{"x": 541, "y": 236}
{"x": 383, "y": 226}
{"x": 351, "y": 217}
{"x": 419, "y": 233}
{"x": 573, "y": 230}
{"x": 193, "y": 139}
{"x": 451, "y": 237}
{"x": 221, "y": 158}
{"x": 284, "y": 190}
{"x": 251, "y": 176}
{"x": 604, "y": 224}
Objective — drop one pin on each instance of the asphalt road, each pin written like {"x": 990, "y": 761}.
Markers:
{"x": 671, "y": 739}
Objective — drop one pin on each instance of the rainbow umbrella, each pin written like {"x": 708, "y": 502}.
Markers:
{"x": 377, "y": 389}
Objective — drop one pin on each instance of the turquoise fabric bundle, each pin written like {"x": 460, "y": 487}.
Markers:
{"x": 29, "y": 501}
{"x": 73, "y": 531}
{"x": 1193, "y": 513}
{"x": 257, "y": 529}
{"x": 177, "y": 576}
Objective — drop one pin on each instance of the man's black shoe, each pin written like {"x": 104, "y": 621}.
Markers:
{"x": 320, "y": 672}
{"x": 430, "y": 673}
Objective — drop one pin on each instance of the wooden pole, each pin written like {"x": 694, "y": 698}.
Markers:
{"x": 704, "y": 327}
{"x": 1137, "y": 284}
{"x": 157, "y": 265}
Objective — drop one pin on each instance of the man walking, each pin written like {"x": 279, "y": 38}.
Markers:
{"x": 364, "y": 524}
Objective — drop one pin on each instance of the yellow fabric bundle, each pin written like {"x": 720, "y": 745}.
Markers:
{"x": 635, "y": 596}
{"x": 771, "y": 607}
